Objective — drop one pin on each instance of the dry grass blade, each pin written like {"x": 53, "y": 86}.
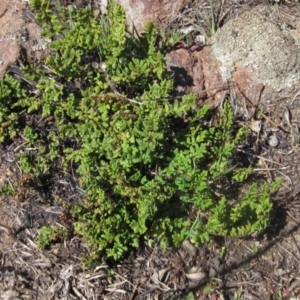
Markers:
{"x": 116, "y": 290}
{"x": 285, "y": 176}
{"x": 290, "y": 253}
{"x": 127, "y": 281}
{"x": 79, "y": 294}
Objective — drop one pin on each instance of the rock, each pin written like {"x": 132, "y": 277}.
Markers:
{"x": 255, "y": 53}
{"x": 197, "y": 73}
{"x": 9, "y": 53}
{"x": 140, "y": 12}
{"x": 187, "y": 72}
{"x": 17, "y": 34}
{"x": 9, "y": 27}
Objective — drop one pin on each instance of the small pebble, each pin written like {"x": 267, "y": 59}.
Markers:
{"x": 273, "y": 141}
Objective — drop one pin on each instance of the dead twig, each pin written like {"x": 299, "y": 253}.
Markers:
{"x": 269, "y": 173}
{"x": 135, "y": 288}
{"x": 260, "y": 157}
{"x": 260, "y": 112}
{"x": 289, "y": 252}
{"x": 286, "y": 176}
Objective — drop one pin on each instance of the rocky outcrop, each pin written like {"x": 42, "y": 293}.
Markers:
{"x": 256, "y": 53}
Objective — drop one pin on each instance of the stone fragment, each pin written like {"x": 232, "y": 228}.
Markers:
{"x": 17, "y": 34}
{"x": 140, "y": 12}
{"x": 9, "y": 53}
{"x": 187, "y": 72}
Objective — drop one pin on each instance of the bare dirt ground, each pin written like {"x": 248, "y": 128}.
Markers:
{"x": 265, "y": 266}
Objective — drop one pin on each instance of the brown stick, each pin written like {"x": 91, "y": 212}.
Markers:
{"x": 260, "y": 112}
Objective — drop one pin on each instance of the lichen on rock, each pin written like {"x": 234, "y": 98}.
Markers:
{"x": 257, "y": 48}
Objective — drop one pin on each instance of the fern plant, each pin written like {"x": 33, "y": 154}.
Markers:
{"x": 146, "y": 161}
{"x": 10, "y": 91}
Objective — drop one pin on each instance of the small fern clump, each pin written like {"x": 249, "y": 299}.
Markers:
{"x": 147, "y": 163}
{"x": 50, "y": 234}
{"x": 10, "y": 91}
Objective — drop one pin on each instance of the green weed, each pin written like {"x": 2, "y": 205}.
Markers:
{"x": 49, "y": 234}
{"x": 6, "y": 190}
